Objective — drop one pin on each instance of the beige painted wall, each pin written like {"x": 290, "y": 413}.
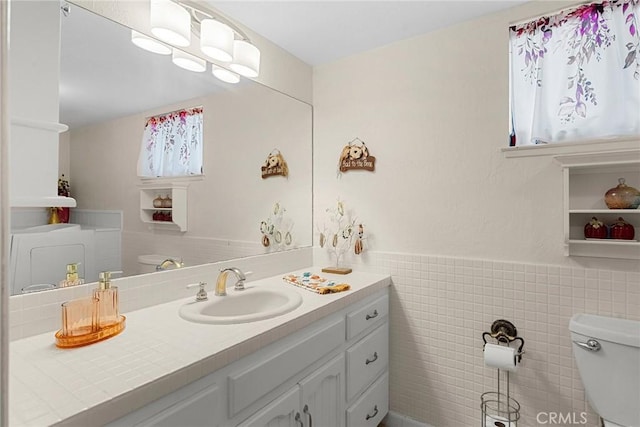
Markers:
{"x": 468, "y": 236}
{"x": 433, "y": 110}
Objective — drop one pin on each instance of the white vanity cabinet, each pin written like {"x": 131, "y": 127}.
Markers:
{"x": 332, "y": 373}
{"x": 200, "y": 403}
{"x": 316, "y": 400}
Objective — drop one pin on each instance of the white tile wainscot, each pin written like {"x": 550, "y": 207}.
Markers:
{"x": 159, "y": 353}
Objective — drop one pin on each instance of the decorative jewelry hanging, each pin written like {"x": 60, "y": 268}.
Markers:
{"x": 276, "y": 229}
{"x": 339, "y": 236}
{"x": 355, "y": 155}
{"x": 275, "y": 165}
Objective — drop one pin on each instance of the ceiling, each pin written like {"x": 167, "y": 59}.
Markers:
{"x": 319, "y": 32}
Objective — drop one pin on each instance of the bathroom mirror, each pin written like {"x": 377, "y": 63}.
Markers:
{"x": 108, "y": 87}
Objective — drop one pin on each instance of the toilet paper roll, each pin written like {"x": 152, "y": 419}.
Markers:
{"x": 500, "y": 356}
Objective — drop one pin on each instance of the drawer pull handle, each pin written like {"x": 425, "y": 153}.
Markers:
{"x": 306, "y": 411}
{"x": 298, "y": 420}
{"x": 373, "y": 359}
{"x": 372, "y": 316}
{"x": 375, "y": 412}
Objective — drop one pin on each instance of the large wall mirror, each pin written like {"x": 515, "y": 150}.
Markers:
{"x": 109, "y": 87}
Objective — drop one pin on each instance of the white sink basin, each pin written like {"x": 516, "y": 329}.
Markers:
{"x": 250, "y": 305}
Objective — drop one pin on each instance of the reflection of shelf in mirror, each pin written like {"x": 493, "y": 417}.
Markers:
{"x": 178, "y": 212}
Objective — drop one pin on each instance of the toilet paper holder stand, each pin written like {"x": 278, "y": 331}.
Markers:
{"x": 499, "y": 409}
{"x": 505, "y": 332}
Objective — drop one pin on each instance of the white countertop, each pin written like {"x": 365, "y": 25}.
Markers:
{"x": 157, "y": 353}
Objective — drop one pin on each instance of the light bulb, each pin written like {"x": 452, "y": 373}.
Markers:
{"x": 187, "y": 61}
{"x": 216, "y": 40}
{"x": 170, "y": 22}
{"x": 246, "y": 59}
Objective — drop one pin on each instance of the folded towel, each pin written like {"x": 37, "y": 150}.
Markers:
{"x": 315, "y": 283}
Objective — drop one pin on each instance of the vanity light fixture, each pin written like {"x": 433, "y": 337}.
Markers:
{"x": 173, "y": 22}
{"x": 224, "y": 74}
{"x": 170, "y": 22}
{"x": 150, "y": 44}
{"x": 246, "y": 59}
{"x": 216, "y": 40}
{"x": 187, "y": 61}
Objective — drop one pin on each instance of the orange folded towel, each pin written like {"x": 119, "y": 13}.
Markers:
{"x": 315, "y": 283}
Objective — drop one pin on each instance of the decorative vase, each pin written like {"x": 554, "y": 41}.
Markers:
{"x": 622, "y": 196}
{"x": 54, "y": 217}
{"x": 621, "y": 229}
{"x": 157, "y": 202}
{"x": 595, "y": 229}
{"x": 63, "y": 215}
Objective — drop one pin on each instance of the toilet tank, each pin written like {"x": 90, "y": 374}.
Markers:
{"x": 610, "y": 375}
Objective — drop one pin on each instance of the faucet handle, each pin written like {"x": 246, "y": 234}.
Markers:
{"x": 239, "y": 286}
{"x": 202, "y": 293}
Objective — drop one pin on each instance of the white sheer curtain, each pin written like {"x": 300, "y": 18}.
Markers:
{"x": 172, "y": 144}
{"x": 576, "y": 75}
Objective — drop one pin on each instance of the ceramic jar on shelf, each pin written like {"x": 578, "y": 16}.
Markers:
{"x": 622, "y": 196}
{"x": 595, "y": 229}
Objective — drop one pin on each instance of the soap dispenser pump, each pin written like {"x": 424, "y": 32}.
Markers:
{"x": 72, "y": 276}
{"x": 107, "y": 296}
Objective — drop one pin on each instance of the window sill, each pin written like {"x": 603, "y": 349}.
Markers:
{"x": 168, "y": 180}
{"x": 563, "y": 148}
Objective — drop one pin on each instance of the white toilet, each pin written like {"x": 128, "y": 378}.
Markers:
{"x": 607, "y": 352}
{"x": 148, "y": 263}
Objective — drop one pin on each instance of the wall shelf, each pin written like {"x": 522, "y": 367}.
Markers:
{"x": 178, "y": 211}
{"x": 587, "y": 177}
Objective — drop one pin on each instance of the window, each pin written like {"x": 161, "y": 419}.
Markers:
{"x": 172, "y": 144}
{"x": 575, "y": 76}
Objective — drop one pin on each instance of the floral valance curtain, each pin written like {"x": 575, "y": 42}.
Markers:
{"x": 576, "y": 75}
{"x": 172, "y": 144}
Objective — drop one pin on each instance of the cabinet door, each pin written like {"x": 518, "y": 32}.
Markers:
{"x": 282, "y": 412}
{"x": 323, "y": 395}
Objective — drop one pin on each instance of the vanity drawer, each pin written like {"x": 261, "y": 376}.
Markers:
{"x": 366, "y": 360}
{"x": 372, "y": 406}
{"x": 248, "y": 385}
{"x": 367, "y": 316}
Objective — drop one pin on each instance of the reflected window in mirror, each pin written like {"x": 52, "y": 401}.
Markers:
{"x": 172, "y": 144}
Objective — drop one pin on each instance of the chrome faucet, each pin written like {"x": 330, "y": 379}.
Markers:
{"x": 167, "y": 262}
{"x": 221, "y": 283}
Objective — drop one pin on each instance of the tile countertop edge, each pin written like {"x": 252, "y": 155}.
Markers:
{"x": 123, "y": 402}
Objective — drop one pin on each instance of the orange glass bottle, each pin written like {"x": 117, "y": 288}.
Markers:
{"x": 107, "y": 296}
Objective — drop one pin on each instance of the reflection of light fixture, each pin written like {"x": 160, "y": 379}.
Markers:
{"x": 187, "y": 61}
{"x": 170, "y": 22}
{"x": 216, "y": 40}
{"x": 246, "y": 59}
{"x": 150, "y": 44}
{"x": 224, "y": 74}
{"x": 174, "y": 21}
